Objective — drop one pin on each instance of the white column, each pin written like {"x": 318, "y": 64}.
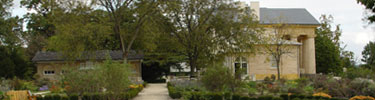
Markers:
{"x": 254, "y": 5}
{"x": 309, "y": 55}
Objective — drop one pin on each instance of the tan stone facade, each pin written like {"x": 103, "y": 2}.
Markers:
{"x": 300, "y": 60}
{"x": 52, "y": 70}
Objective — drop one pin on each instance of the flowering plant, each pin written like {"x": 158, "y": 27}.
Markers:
{"x": 322, "y": 94}
{"x": 362, "y": 98}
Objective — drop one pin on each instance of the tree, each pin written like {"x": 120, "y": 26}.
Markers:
{"x": 127, "y": 18}
{"x": 81, "y": 30}
{"x": 275, "y": 43}
{"x": 207, "y": 28}
{"x": 347, "y": 59}
{"x": 13, "y": 62}
{"x": 6, "y": 64}
{"x": 166, "y": 54}
{"x": 327, "y": 47}
{"x": 370, "y": 6}
{"x": 368, "y": 55}
{"x": 40, "y": 25}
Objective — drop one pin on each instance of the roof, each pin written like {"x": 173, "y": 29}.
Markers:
{"x": 299, "y": 16}
{"x": 96, "y": 55}
{"x": 286, "y": 42}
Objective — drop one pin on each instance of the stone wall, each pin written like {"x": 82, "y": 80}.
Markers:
{"x": 259, "y": 64}
{"x": 59, "y": 67}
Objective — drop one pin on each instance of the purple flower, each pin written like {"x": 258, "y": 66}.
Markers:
{"x": 43, "y": 88}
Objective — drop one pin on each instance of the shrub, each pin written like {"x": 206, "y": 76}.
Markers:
{"x": 244, "y": 98}
{"x": 72, "y": 97}
{"x": 296, "y": 99}
{"x": 227, "y": 80}
{"x": 19, "y": 84}
{"x": 362, "y": 98}
{"x": 293, "y": 96}
{"x": 308, "y": 89}
{"x": 251, "y": 88}
{"x": 52, "y": 97}
{"x": 295, "y": 90}
{"x": 277, "y": 98}
{"x": 196, "y": 96}
{"x": 214, "y": 96}
{"x": 113, "y": 76}
{"x": 145, "y": 84}
{"x": 353, "y": 73}
{"x": 265, "y": 97}
{"x": 174, "y": 93}
{"x": 169, "y": 84}
{"x": 2, "y": 96}
{"x": 267, "y": 80}
{"x": 321, "y": 94}
{"x": 93, "y": 96}
{"x": 285, "y": 96}
{"x": 236, "y": 97}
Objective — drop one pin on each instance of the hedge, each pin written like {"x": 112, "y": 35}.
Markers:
{"x": 91, "y": 96}
{"x": 173, "y": 93}
{"x": 221, "y": 96}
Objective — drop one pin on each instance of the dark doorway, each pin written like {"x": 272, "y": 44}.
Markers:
{"x": 153, "y": 72}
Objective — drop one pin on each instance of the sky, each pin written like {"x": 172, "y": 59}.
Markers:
{"x": 348, "y": 13}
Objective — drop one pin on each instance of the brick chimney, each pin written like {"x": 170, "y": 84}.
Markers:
{"x": 254, "y": 5}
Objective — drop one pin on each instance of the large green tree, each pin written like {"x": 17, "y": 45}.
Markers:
{"x": 128, "y": 19}
{"x": 327, "y": 47}
{"x": 207, "y": 28}
{"x": 13, "y": 63}
{"x": 39, "y": 25}
{"x": 368, "y": 55}
{"x": 96, "y": 24}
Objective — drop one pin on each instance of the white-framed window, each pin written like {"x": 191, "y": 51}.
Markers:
{"x": 86, "y": 65}
{"x": 240, "y": 64}
{"x": 49, "y": 72}
{"x": 273, "y": 62}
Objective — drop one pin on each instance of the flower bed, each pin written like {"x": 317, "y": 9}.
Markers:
{"x": 131, "y": 93}
{"x": 362, "y": 98}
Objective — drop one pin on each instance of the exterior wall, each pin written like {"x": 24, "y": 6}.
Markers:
{"x": 304, "y": 34}
{"x": 259, "y": 64}
{"x": 58, "y": 68}
{"x": 301, "y": 60}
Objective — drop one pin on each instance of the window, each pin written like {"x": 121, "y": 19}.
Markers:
{"x": 86, "y": 65}
{"x": 240, "y": 65}
{"x": 49, "y": 72}
{"x": 273, "y": 62}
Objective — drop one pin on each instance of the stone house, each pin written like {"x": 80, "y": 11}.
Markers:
{"x": 300, "y": 60}
{"x": 51, "y": 65}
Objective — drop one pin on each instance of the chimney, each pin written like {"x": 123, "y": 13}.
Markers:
{"x": 254, "y": 5}
{"x": 241, "y": 5}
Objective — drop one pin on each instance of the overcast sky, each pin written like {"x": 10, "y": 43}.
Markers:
{"x": 347, "y": 13}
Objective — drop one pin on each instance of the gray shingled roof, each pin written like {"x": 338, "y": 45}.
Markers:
{"x": 97, "y": 55}
{"x": 299, "y": 16}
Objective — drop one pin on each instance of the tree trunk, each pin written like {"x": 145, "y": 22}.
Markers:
{"x": 192, "y": 67}
{"x": 125, "y": 56}
{"x": 278, "y": 69}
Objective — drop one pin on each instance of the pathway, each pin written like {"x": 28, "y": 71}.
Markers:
{"x": 157, "y": 91}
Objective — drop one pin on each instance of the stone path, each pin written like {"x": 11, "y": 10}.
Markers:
{"x": 156, "y": 91}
